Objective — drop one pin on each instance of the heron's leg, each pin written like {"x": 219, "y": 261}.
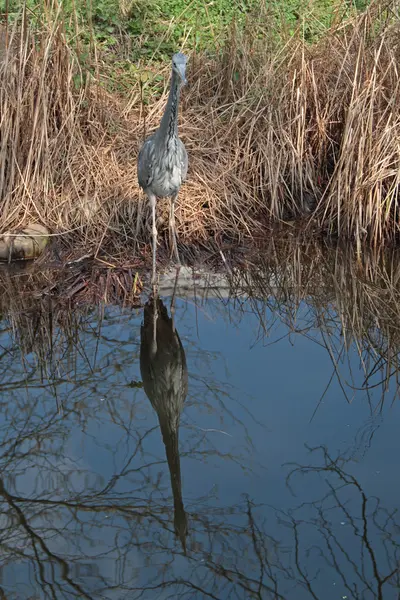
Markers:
{"x": 138, "y": 219}
{"x": 172, "y": 229}
{"x": 152, "y": 200}
{"x": 173, "y": 297}
{"x": 155, "y": 317}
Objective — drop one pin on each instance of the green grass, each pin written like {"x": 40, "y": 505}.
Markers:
{"x": 131, "y": 36}
{"x": 132, "y": 30}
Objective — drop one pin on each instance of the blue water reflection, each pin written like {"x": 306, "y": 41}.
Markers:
{"x": 289, "y": 478}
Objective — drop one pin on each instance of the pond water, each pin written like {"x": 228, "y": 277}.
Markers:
{"x": 284, "y": 475}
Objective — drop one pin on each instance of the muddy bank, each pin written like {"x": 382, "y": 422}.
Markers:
{"x": 291, "y": 268}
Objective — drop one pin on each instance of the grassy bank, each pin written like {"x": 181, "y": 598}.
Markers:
{"x": 287, "y": 116}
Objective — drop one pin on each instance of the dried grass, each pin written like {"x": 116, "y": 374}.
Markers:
{"x": 273, "y": 132}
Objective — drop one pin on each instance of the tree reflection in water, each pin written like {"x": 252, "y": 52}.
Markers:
{"x": 85, "y": 489}
{"x": 344, "y": 517}
{"x": 86, "y": 509}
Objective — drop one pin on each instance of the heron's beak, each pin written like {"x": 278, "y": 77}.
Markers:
{"x": 182, "y": 75}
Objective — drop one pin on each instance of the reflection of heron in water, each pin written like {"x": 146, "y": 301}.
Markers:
{"x": 165, "y": 381}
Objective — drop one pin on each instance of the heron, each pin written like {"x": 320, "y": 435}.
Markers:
{"x": 165, "y": 381}
{"x": 163, "y": 161}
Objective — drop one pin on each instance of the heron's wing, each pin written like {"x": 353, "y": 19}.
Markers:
{"x": 171, "y": 380}
{"x": 145, "y": 163}
{"x": 164, "y": 374}
{"x": 184, "y": 161}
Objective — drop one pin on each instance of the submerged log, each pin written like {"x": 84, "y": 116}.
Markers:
{"x": 26, "y": 244}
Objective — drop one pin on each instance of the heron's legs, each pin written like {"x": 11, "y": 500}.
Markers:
{"x": 152, "y": 200}
{"x": 172, "y": 229}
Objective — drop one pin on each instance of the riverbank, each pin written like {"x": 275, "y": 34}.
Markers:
{"x": 278, "y": 130}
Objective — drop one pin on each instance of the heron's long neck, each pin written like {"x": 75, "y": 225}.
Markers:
{"x": 169, "y": 123}
{"x": 171, "y": 443}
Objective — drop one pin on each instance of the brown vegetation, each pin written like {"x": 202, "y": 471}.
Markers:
{"x": 273, "y": 133}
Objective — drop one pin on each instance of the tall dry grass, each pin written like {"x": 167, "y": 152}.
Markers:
{"x": 316, "y": 127}
{"x": 274, "y": 130}
{"x": 58, "y": 162}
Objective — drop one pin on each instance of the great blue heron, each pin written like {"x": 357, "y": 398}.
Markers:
{"x": 165, "y": 381}
{"x": 163, "y": 162}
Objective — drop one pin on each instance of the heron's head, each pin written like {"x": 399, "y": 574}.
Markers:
{"x": 179, "y": 61}
{"x": 181, "y": 527}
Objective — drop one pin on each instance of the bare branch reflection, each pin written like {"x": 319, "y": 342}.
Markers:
{"x": 86, "y": 508}
{"x": 356, "y": 537}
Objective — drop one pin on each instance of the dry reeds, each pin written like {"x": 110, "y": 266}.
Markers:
{"x": 57, "y": 163}
{"x": 316, "y": 126}
{"x": 273, "y": 130}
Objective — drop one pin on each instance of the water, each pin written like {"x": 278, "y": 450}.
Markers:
{"x": 288, "y": 457}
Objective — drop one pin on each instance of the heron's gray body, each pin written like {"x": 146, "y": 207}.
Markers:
{"x": 165, "y": 381}
{"x": 162, "y": 170}
{"x": 163, "y": 364}
{"x": 163, "y": 161}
